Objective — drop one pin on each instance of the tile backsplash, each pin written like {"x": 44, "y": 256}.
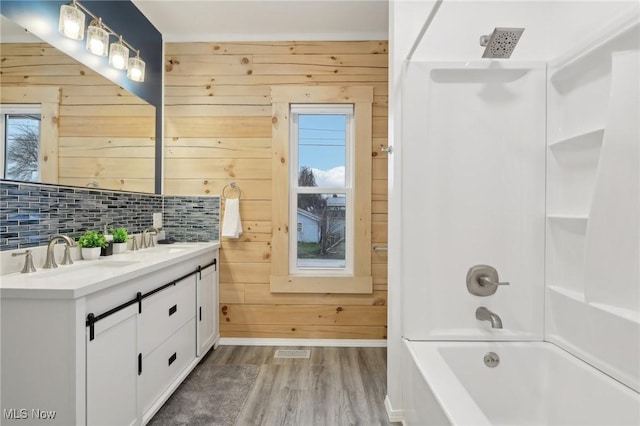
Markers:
{"x": 30, "y": 214}
{"x": 191, "y": 218}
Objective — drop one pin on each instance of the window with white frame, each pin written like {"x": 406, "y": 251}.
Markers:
{"x": 321, "y": 179}
{"x": 20, "y": 135}
{"x": 321, "y": 185}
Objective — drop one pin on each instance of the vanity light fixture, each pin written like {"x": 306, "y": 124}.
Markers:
{"x": 71, "y": 25}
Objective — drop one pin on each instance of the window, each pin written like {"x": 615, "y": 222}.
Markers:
{"x": 321, "y": 178}
{"x": 43, "y": 102}
{"x": 20, "y": 133}
{"x": 321, "y": 184}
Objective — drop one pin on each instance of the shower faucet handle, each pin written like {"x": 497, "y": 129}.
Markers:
{"x": 483, "y": 280}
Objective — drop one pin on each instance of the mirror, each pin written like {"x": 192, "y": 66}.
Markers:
{"x": 105, "y": 135}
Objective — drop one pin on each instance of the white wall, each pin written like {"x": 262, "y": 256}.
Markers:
{"x": 405, "y": 22}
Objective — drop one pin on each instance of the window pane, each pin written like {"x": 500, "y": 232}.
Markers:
{"x": 321, "y": 150}
{"x": 22, "y": 147}
{"x": 321, "y": 231}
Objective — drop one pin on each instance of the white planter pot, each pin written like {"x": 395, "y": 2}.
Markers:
{"x": 119, "y": 248}
{"x": 90, "y": 253}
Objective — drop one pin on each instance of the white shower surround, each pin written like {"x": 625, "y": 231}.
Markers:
{"x": 594, "y": 318}
{"x": 474, "y": 187}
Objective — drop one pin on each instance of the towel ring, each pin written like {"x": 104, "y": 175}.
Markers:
{"x": 232, "y": 187}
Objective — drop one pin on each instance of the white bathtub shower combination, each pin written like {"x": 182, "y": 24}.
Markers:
{"x": 533, "y": 384}
{"x": 532, "y": 167}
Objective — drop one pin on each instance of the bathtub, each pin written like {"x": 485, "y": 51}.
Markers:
{"x": 535, "y": 383}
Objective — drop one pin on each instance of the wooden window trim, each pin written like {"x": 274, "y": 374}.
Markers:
{"x": 49, "y": 99}
{"x": 361, "y": 280}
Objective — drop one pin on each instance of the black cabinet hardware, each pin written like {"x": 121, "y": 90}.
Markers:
{"x": 173, "y": 310}
{"x": 200, "y": 313}
{"x": 173, "y": 358}
{"x": 140, "y": 363}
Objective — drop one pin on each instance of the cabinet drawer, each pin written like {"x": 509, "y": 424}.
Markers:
{"x": 165, "y": 312}
{"x": 162, "y": 366}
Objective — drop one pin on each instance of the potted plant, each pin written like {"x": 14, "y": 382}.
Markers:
{"x": 91, "y": 242}
{"x": 120, "y": 238}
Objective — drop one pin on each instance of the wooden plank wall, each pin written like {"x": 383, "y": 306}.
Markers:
{"x": 106, "y": 134}
{"x": 218, "y": 131}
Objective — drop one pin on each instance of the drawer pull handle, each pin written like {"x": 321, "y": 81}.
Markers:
{"x": 173, "y": 310}
{"x": 200, "y": 313}
{"x": 172, "y": 358}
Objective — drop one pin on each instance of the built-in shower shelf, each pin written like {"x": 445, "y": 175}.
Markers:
{"x": 567, "y": 292}
{"x": 590, "y": 139}
{"x": 628, "y": 314}
{"x": 569, "y": 217}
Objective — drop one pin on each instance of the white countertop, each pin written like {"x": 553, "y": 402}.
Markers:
{"x": 88, "y": 276}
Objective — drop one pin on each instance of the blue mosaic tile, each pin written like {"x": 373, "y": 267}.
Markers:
{"x": 30, "y": 214}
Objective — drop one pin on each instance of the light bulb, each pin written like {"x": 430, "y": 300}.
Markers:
{"x": 97, "y": 47}
{"x": 136, "y": 74}
{"x": 71, "y": 29}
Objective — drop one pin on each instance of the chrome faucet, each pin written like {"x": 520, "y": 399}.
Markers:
{"x": 484, "y": 314}
{"x": 144, "y": 235}
{"x": 50, "y": 262}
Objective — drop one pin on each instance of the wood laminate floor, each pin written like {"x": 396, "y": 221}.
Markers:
{"x": 335, "y": 386}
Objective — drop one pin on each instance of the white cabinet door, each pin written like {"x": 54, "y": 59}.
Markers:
{"x": 207, "y": 312}
{"x": 112, "y": 369}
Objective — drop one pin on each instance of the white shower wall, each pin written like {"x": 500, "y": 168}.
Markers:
{"x": 473, "y": 192}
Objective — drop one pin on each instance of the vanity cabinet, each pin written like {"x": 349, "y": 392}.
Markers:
{"x": 113, "y": 349}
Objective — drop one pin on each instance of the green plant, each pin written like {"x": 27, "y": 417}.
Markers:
{"x": 120, "y": 235}
{"x": 92, "y": 239}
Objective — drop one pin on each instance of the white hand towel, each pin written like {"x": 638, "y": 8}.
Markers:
{"x": 232, "y": 225}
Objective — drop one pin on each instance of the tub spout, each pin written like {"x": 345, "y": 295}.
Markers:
{"x": 484, "y": 314}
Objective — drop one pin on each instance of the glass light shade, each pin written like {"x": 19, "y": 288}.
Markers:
{"x": 136, "y": 69}
{"x": 71, "y": 24}
{"x": 97, "y": 40}
{"x": 118, "y": 56}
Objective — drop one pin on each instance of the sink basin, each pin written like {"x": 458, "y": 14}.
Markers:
{"x": 173, "y": 248}
{"x": 176, "y": 250}
{"x": 115, "y": 263}
{"x": 77, "y": 267}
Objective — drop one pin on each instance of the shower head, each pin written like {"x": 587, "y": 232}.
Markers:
{"x": 501, "y": 42}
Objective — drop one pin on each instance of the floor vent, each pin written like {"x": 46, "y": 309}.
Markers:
{"x": 292, "y": 353}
